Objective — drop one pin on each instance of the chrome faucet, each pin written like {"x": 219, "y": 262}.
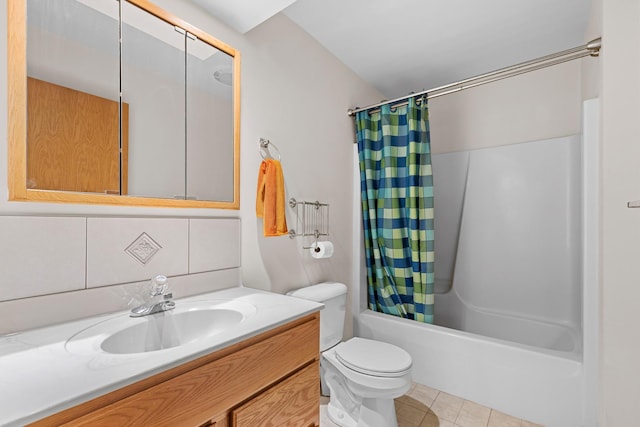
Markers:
{"x": 158, "y": 292}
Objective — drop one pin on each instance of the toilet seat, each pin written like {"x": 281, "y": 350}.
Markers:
{"x": 373, "y": 358}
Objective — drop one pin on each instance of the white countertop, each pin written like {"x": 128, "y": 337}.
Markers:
{"x": 39, "y": 376}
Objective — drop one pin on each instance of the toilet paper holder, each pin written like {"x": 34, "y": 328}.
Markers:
{"x": 312, "y": 220}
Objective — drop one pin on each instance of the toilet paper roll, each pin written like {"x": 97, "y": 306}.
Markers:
{"x": 321, "y": 250}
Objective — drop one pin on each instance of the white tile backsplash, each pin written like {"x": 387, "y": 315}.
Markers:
{"x": 201, "y": 283}
{"x": 29, "y": 313}
{"x": 56, "y": 269}
{"x": 214, "y": 244}
{"x": 108, "y": 239}
{"x": 41, "y": 255}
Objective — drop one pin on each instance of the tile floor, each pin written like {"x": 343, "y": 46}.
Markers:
{"x": 424, "y": 406}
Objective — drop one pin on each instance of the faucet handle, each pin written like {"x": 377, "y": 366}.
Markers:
{"x": 169, "y": 303}
{"x": 159, "y": 285}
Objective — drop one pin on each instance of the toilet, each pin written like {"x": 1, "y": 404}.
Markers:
{"x": 361, "y": 376}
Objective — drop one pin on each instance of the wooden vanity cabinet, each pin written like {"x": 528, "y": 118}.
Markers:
{"x": 293, "y": 402}
{"x": 269, "y": 380}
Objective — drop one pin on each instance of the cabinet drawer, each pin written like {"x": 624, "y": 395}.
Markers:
{"x": 193, "y": 398}
{"x": 295, "y": 402}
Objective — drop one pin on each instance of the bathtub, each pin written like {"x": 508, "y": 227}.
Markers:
{"x": 541, "y": 385}
{"x": 564, "y": 340}
{"x": 508, "y": 283}
{"x": 533, "y": 358}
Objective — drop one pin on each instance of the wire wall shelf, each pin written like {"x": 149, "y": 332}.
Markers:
{"x": 312, "y": 219}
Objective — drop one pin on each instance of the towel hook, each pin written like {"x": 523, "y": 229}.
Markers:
{"x": 264, "y": 149}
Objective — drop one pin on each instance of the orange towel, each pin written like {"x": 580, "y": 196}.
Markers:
{"x": 270, "y": 198}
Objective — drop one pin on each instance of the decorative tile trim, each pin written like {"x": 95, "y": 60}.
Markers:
{"x": 143, "y": 248}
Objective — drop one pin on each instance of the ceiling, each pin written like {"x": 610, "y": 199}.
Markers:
{"x": 411, "y": 45}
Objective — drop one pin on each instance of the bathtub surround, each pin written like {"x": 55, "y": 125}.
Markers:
{"x": 512, "y": 216}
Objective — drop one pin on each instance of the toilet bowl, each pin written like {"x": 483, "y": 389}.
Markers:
{"x": 361, "y": 376}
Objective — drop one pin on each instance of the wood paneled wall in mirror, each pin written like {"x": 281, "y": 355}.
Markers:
{"x": 73, "y": 140}
{"x": 120, "y": 102}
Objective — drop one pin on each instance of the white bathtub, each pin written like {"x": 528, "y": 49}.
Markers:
{"x": 540, "y": 385}
{"x": 561, "y": 339}
{"x": 508, "y": 286}
{"x": 539, "y": 365}
{"x": 508, "y": 283}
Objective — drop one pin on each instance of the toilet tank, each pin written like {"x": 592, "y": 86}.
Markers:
{"x": 334, "y": 296}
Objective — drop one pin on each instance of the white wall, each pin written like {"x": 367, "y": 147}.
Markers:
{"x": 294, "y": 93}
{"x": 592, "y": 68}
{"x": 297, "y": 96}
{"x": 620, "y": 226}
{"x": 534, "y": 106}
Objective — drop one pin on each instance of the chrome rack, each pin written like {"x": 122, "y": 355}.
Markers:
{"x": 312, "y": 219}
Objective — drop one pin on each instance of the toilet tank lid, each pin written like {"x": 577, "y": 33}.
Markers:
{"x": 320, "y": 292}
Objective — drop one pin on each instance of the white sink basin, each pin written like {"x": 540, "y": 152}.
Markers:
{"x": 187, "y": 323}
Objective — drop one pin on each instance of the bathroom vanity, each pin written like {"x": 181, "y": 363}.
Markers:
{"x": 262, "y": 370}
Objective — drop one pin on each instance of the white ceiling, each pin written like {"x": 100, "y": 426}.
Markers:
{"x": 243, "y": 15}
{"x": 412, "y": 45}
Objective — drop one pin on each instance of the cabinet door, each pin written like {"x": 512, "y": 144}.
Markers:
{"x": 294, "y": 402}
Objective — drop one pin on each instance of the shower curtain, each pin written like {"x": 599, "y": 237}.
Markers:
{"x": 397, "y": 208}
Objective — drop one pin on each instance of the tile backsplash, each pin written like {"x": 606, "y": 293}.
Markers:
{"x": 55, "y": 269}
{"x": 206, "y": 252}
{"x": 41, "y": 255}
{"x": 108, "y": 239}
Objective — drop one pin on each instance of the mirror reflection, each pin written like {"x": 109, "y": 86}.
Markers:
{"x": 152, "y": 116}
{"x": 153, "y": 82}
{"x": 73, "y": 108}
{"x": 209, "y": 94}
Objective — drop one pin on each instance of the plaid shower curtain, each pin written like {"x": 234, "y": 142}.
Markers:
{"x": 397, "y": 209}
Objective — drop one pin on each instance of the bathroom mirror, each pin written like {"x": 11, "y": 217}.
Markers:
{"x": 120, "y": 103}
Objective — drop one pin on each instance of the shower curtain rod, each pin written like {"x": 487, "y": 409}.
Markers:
{"x": 590, "y": 49}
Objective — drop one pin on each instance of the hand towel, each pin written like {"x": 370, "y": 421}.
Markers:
{"x": 270, "y": 198}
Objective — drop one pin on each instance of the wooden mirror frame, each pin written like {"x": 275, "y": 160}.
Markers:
{"x": 17, "y": 120}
